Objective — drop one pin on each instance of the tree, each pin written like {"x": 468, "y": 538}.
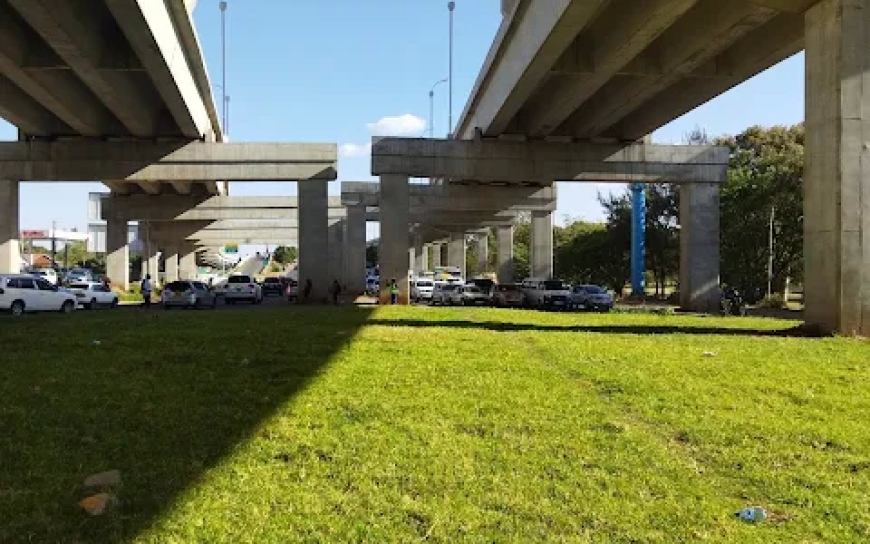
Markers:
{"x": 372, "y": 253}
{"x": 76, "y": 253}
{"x": 765, "y": 174}
{"x": 284, "y": 254}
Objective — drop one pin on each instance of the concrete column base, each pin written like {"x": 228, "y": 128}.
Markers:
{"x": 836, "y": 176}
{"x": 699, "y": 247}
{"x": 505, "y": 270}
{"x": 170, "y": 262}
{"x": 437, "y": 253}
{"x": 118, "y": 252}
{"x": 355, "y": 250}
{"x": 393, "y": 255}
{"x": 10, "y": 249}
{"x": 541, "y": 258}
{"x": 336, "y": 254}
{"x": 314, "y": 238}
{"x": 483, "y": 253}
{"x": 456, "y": 252}
{"x": 187, "y": 262}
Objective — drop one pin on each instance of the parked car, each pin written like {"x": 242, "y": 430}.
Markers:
{"x": 421, "y": 289}
{"x": 92, "y": 295}
{"x": 188, "y": 294}
{"x": 373, "y": 286}
{"x": 292, "y": 290}
{"x": 49, "y": 274}
{"x": 508, "y": 295}
{"x": 546, "y": 293}
{"x": 273, "y": 286}
{"x": 469, "y": 295}
{"x": 242, "y": 288}
{"x": 441, "y": 293}
{"x": 78, "y": 275}
{"x": 591, "y": 297}
{"x": 20, "y": 293}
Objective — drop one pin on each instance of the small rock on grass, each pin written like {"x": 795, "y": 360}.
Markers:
{"x": 110, "y": 477}
{"x": 97, "y": 505}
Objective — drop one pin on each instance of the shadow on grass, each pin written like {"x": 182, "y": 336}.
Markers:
{"x": 160, "y": 396}
{"x": 801, "y": 331}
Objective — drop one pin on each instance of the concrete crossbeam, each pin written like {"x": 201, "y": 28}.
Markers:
{"x": 458, "y": 197}
{"x": 167, "y": 162}
{"x": 545, "y": 162}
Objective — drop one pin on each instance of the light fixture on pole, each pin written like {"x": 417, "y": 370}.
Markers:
{"x": 432, "y": 107}
{"x": 223, "y": 7}
{"x": 450, "y": 7}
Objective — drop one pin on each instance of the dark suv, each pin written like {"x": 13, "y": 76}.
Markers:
{"x": 273, "y": 286}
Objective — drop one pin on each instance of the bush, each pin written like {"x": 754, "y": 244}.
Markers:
{"x": 776, "y": 300}
{"x": 275, "y": 268}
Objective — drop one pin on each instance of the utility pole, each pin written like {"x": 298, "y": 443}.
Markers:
{"x": 450, "y": 7}
{"x": 53, "y": 243}
{"x": 223, "y": 8}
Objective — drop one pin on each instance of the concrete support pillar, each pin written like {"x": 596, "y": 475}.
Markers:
{"x": 483, "y": 252}
{"x": 505, "y": 269}
{"x": 412, "y": 259}
{"x": 314, "y": 238}
{"x": 393, "y": 255}
{"x": 355, "y": 252}
{"x": 437, "y": 253}
{"x": 837, "y": 169}
{"x": 541, "y": 258}
{"x": 699, "y": 247}
{"x": 118, "y": 252}
{"x": 187, "y": 261}
{"x": 638, "y": 239}
{"x": 336, "y": 253}
{"x": 456, "y": 252}
{"x": 170, "y": 262}
{"x": 421, "y": 255}
{"x": 10, "y": 250}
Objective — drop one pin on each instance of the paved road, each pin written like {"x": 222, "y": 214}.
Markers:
{"x": 251, "y": 266}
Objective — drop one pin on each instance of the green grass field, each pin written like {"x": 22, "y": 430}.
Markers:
{"x": 447, "y": 425}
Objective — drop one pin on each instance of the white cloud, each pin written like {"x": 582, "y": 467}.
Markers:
{"x": 355, "y": 150}
{"x": 403, "y": 125}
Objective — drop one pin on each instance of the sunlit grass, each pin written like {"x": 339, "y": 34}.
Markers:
{"x": 442, "y": 424}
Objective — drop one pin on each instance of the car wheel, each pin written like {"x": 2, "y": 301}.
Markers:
{"x": 17, "y": 308}
{"x": 114, "y": 303}
{"x": 214, "y": 303}
{"x": 68, "y": 307}
{"x": 93, "y": 304}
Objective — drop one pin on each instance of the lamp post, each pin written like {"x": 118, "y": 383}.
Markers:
{"x": 223, "y": 7}
{"x": 450, "y": 7}
{"x": 432, "y": 107}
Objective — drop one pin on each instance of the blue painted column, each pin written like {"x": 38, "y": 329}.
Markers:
{"x": 638, "y": 239}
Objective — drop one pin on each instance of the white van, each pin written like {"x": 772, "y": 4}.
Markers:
{"x": 21, "y": 293}
{"x": 544, "y": 293}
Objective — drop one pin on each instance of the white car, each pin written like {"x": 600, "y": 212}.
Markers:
{"x": 422, "y": 289}
{"x": 242, "y": 288}
{"x": 92, "y": 295}
{"x": 49, "y": 274}
{"x": 21, "y": 293}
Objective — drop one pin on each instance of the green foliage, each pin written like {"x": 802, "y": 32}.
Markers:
{"x": 775, "y": 300}
{"x": 76, "y": 253}
{"x": 412, "y": 424}
{"x": 766, "y": 172}
{"x": 274, "y": 268}
{"x": 284, "y": 254}
{"x": 372, "y": 253}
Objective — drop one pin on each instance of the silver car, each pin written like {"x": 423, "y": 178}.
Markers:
{"x": 441, "y": 293}
{"x": 188, "y": 294}
{"x": 591, "y": 297}
{"x": 469, "y": 295}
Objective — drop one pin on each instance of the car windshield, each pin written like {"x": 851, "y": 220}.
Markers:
{"x": 592, "y": 289}
{"x": 79, "y": 286}
{"x": 424, "y": 284}
{"x": 553, "y": 286}
{"x": 176, "y": 286}
{"x": 239, "y": 279}
{"x": 272, "y": 280}
{"x": 472, "y": 289}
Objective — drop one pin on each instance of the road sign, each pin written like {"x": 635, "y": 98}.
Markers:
{"x": 231, "y": 248}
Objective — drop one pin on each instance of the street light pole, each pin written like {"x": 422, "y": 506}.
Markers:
{"x": 432, "y": 107}
{"x": 223, "y": 7}
{"x": 450, "y": 7}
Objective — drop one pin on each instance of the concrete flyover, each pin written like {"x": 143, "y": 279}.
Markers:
{"x": 616, "y": 70}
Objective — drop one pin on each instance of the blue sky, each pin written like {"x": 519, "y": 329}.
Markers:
{"x": 330, "y": 71}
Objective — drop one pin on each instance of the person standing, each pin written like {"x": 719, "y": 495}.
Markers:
{"x": 336, "y": 290}
{"x": 145, "y": 287}
{"x": 394, "y": 292}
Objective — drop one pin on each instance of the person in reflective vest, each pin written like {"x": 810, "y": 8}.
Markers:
{"x": 394, "y": 292}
